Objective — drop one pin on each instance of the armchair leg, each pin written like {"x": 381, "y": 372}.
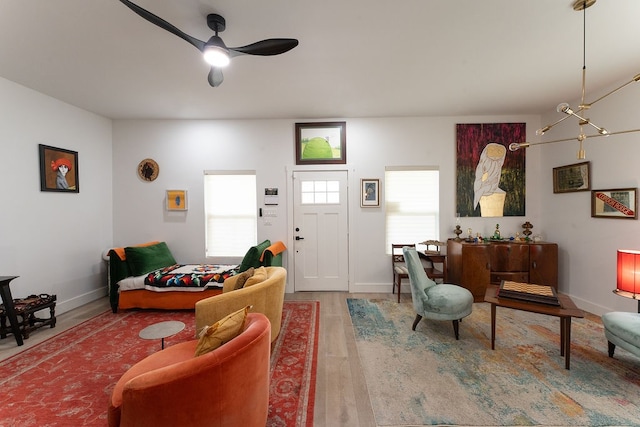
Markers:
{"x": 456, "y": 328}
{"x": 415, "y": 322}
{"x": 612, "y": 348}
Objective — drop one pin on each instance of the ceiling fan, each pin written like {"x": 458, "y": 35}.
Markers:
{"x": 215, "y": 52}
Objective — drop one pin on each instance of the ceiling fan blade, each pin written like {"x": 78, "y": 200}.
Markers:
{"x": 265, "y": 47}
{"x": 154, "y": 19}
{"x": 215, "y": 76}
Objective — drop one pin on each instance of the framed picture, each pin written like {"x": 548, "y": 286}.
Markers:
{"x": 176, "y": 200}
{"x": 491, "y": 179}
{"x": 569, "y": 178}
{"x": 369, "y": 193}
{"x": 58, "y": 170}
{"x": 619, "y": 203}
{"x": 321, "y": 143}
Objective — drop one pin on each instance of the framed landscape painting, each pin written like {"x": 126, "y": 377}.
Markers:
{"x": 321, "y": 143}
{"x": 570, "y": 178}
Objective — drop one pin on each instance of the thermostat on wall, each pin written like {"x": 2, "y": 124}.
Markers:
{"x": 270, "y": 196}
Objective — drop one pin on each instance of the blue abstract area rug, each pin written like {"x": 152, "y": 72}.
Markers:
{"x": 426, "y": 377}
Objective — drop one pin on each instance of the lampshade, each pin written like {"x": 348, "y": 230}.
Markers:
{"x": 628, "y": 274}
{"x": 216, "y": 53}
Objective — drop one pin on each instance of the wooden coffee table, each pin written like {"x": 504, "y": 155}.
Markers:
{"x": 565, "y": 312}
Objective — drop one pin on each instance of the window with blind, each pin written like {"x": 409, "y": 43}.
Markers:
{"x": 230, "y": 207}
{"x": 412, "y": 203}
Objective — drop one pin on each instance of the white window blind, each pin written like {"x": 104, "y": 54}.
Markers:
{"x": 412, "y": 202}
{"x": 230, "y": 206}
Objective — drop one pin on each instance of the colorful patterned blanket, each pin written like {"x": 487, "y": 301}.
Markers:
{"x": 189, "y": 275}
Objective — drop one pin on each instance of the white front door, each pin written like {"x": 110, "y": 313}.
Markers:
{"x": 321, "y": 239}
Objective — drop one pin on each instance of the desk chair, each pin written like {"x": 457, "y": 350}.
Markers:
{"x": 399, "y": 267}
{"x": 400, "y": 271}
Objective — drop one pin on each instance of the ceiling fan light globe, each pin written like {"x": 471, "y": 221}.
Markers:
{"x": 216, "y": 56}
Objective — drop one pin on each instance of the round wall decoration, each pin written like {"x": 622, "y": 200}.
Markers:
{"x": 148, "y": 170}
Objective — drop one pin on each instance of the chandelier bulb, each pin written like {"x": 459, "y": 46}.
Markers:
{"x": 515, "y": 146}
{"x": 564, "y": 108}
{"x": 542, "y": 131}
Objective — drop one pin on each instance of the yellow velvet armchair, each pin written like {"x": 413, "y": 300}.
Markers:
{"x": 265, "y": 297}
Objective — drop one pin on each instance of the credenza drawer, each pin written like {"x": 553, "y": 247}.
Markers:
{"x": 518, "y": 276}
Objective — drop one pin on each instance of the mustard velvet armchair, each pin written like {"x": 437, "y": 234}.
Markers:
{"x": 266, "y": 297}
{"x": 174, "y": 388}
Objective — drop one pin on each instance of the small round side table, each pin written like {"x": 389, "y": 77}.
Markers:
{"x": 161, "y": 330}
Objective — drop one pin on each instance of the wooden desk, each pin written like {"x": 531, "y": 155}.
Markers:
{"x": 565, "y": 312}
{"x": 7, "y": 300}
{"x": 432, "y": 271}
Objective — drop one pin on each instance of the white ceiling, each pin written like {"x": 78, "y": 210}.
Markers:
{"x": 356, "y": 58}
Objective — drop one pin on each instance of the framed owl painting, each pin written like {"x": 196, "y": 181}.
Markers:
{"x": 490, "y": 178}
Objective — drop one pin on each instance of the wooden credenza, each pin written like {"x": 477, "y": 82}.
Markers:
{"x": 475, "y": 265}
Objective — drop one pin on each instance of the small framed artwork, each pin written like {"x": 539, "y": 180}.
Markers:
{"x": 321, "y": 143}
{"x": 58, "y": 170}
{"x": 569, "y": 178}
{"x": 618, "y": 203}
{"x": 370, "y": 193}
{"x": 176, "y": 200}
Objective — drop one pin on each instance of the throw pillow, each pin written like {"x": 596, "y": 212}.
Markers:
{"x": 259, "y": 276}
{"x": 221, "y": 332}
{"x": 144, "y": 259}
{"x": 242, "y": 278}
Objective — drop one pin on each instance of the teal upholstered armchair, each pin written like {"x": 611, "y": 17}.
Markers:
{"x": 435, "y": 301}
{"x": 622, "y": 329}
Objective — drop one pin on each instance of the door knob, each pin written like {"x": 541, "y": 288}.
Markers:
{"x": 299, "y": 238}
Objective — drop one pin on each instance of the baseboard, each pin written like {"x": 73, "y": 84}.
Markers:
{"x": 80, "y": 300}
{"x": 590, "y": 307}
{"x": 382, "y": 288}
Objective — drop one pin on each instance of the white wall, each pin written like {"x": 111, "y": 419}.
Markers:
{"x": 184, "y": 149}
{"x": 53, "y": 241}
{"x": 588, "y": 245}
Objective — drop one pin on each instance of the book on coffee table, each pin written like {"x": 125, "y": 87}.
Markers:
{"x": 528, "y": 292}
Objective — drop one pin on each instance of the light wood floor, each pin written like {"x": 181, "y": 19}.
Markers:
{"x": 341, "y": 398}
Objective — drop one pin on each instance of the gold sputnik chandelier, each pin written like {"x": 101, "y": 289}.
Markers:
{"x": 565, "y": 108}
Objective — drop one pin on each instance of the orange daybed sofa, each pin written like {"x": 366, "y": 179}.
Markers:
{"x": 156, "y": 255}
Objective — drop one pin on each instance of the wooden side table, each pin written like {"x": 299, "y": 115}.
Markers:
{"x": 7, "y": 300}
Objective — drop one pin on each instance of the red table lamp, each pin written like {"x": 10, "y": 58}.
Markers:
{"x": 628, "y": 275}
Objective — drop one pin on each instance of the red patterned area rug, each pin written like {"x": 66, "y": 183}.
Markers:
{"x": 67, "y": 380}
